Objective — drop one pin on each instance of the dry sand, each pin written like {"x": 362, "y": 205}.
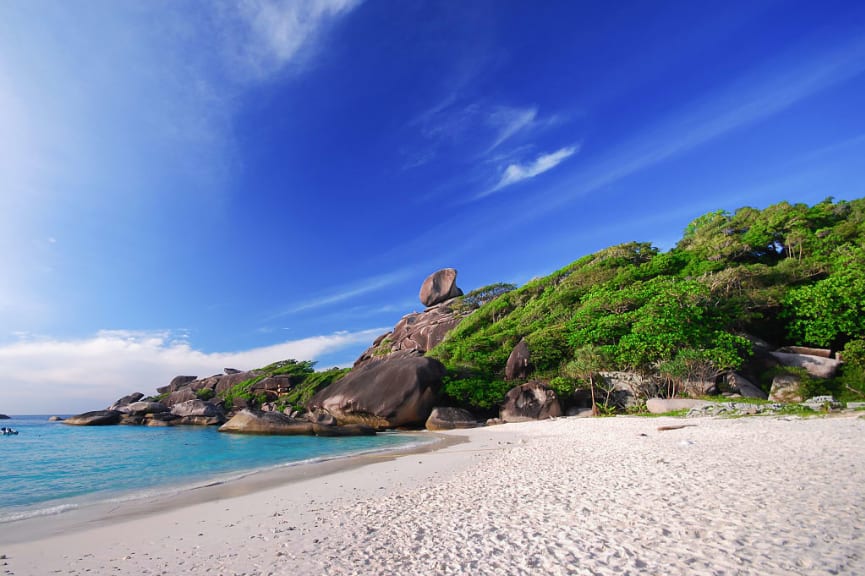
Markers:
{"x": 756, "y": 495}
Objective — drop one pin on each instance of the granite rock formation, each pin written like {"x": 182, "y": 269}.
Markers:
{"x": 383, "y": 394}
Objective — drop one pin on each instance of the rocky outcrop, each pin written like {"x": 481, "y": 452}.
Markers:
{"x": 95, "y": 418}
{"x": 446, "y": 418}
{"x": 384, "y": 394}
{"x": 275, "y": 423}
{"x": 197, "y": 413}
{"x": 439, "y": 286}
{"x": 4, "y": 417}
{"x": 519, "y": 362}
{"x": 414, "y": 334}
{"x": 530, "y": 401}
{"x": 816, "y": 366}
{"x": 55, "y": 419}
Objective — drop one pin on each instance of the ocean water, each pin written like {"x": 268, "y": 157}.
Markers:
{"x": 50, "y": 467}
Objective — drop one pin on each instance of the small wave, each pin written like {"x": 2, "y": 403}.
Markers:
{"x": 35, "y": 513}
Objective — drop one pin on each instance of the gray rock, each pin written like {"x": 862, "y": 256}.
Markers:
{"x": 822, "y": 403}
{"x": 179, "y": 397}
{"x": 198, "y": 408}
{"x": 269, "y": 423}
{"x": 816, "y": 366}
{"x": 735, "y": 383}
{"x": 141, "y": 408}
{"x": 414, "y": 334}
{"x": 578, "y": 412}
{"x": 786, "y": 388}
{"x": 517, "y": 366}
{"x": 95, "y": 418}
{"x": 855, "y": 405}
{"x": 446, "y": 418}
{"x": 4, "y": 417}
{"x": 390, "y": 394}
{"x": 230, "y": 371}
{"x": 318, "y": 417}
{"x": 628, "y": 389}
{"x": 125, "y": 401}
{"x": 530, "y": 401}
{"x": 439, "y": 286}
{"x": 664, "y": 405}
{"x": 176, "y": 383}
{"x": 55, "y": 419}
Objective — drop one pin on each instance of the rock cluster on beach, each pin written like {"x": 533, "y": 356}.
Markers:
{"x": 394, "y": 385}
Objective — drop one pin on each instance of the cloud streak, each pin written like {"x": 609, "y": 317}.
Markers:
{"x": 515, "y": 173}
{"x": 280, "y": 32}
{"x": 62, "y": 376}
{"x": 372, "y": 284}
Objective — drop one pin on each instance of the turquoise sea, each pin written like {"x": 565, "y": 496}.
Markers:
{"x": 50, "y": 467}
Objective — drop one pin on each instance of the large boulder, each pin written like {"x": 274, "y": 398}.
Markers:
{"x": 439, "y": 286}
{"x": 628, "y": 389}
{"x": 446, "y": 418}
{"x": 141, "y": 408}
{"x": 384, "y": 394}
{"x": 179, "y": 397}
{"x": 821, "y": 352}
{"x": 95, "y": 418}
{"x": 197, "y": 408}
{"x": 817, "y": 366}
{"x": 4, "y": 417}
{"x": 125, "y": 401}
{"x": 273, "y": 423}
{"x": 735, "y": 383}
{"x": 517, "y": 367}
{"x": 530, "y": 401}
{"x": 176, "y": 383}
{"x": 786, "y": 388}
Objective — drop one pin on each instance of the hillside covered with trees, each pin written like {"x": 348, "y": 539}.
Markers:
{"x": 790, "y": 274}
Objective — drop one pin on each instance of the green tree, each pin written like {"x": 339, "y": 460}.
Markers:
{"x": 587, "y": 362}
{"x": 830, "y": 311}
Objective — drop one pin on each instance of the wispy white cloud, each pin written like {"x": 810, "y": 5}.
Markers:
{"x": 285, "y": 31}
{"x": 346, "y": 293}
{"x": 518, "y": 172}
{"x": 509, "y": 121}
{"x": 51, "y": 375}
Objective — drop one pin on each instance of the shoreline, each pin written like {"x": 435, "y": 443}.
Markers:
{"x": 758, "y": 495}
{"x": 92, "y": 510}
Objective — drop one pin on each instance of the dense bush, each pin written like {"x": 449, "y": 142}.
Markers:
{"x": 788, "y": 274}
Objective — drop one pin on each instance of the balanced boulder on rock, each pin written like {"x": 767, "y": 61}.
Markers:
{"x": 387, "y": 394}
{"x": 439, "y": 286}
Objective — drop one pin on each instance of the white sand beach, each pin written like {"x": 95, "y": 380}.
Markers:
{"x": 760, "y": 495}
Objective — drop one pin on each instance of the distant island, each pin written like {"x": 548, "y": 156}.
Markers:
{"x": 766, "y": 304}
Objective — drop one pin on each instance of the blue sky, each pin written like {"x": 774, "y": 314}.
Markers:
{"x": 189, "y": 185}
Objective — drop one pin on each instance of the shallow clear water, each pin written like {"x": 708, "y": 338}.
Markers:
{"x": 49, "y": 466}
